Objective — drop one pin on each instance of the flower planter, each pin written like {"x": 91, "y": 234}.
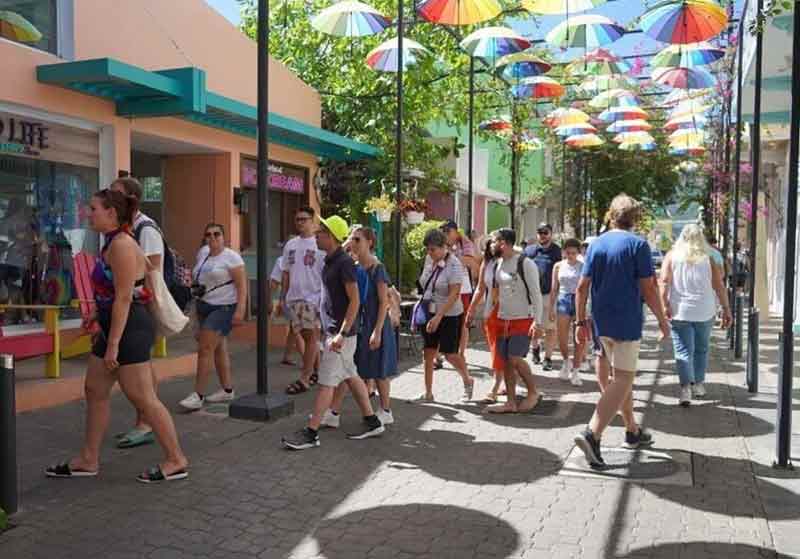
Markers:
{"x": 415, "y": 218}
{"x": 384, "y": 216}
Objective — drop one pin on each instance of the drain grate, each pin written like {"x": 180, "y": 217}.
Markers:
{"x": 668, "y": 467}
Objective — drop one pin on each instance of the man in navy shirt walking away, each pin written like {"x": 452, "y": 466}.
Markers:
{"x": 545, "y": 254}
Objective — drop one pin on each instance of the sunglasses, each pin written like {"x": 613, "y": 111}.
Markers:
{"x": 216, "y": 234}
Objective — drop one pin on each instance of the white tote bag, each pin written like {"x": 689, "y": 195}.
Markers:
{"x": 168, "y": 315}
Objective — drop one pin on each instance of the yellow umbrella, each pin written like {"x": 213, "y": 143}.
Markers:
{"x": 584, "y": 141}
{"x": 634, "y": 137}
{"x": 688, "y": 135}
{"x": 15, "y": 27}
{"x": 563, "y": 116}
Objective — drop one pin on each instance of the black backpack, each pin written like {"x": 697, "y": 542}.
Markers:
{"x": 177, "y": 275}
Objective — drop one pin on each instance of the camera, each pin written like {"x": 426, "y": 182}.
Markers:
{"x": 198, "y": 290}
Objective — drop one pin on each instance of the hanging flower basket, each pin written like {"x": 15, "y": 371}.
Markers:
{"x": 384, "y": 215}
{"x": 415, "y": 218}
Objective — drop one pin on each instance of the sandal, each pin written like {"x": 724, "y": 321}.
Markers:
{"x": 135, "y": 437}
{"x": 155, "y": 475}
{"x": 297, "y": 387}
{"x": 313, "y": 379}
{"x": 64, "y": 470}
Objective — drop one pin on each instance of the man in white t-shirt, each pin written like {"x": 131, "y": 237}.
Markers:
{"x": 148, "y": 235}
{"x": 302, "y": 289}
{"x": 293, "y": 339}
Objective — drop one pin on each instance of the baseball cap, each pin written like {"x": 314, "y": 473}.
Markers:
{"x": 449, "y": 224}
{"x": 544, "y": 226}
{"x": 336, "y": 226}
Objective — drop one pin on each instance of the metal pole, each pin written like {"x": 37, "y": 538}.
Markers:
{"x": 784, "y": 431}
{"x": 514, "y": 158}
{"x": 736, "y": 330}
{"x": 471, "y": 141}
{"x": 8, "y": 436}
{"x": 563, "y": 183}
{"x": 398, "y": 164}
{"x": 755, "y": 160}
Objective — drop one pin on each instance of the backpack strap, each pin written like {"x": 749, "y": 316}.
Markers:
{"x": 521, "y": 274}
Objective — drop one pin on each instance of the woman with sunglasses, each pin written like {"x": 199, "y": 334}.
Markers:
{"x": 219, "y": 284}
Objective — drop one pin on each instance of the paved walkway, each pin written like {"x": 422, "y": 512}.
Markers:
{"x": 445, "y": 481}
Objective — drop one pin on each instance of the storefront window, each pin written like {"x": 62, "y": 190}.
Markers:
{"x": 43, "y": 224}
{"x": 42, "y": 15}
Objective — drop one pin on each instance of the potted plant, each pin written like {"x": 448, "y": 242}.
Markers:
{"x": 382, "y": 206}
{"x": 414, "y": 210}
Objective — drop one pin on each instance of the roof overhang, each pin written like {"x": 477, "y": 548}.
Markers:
{"x": 182, "y": 93}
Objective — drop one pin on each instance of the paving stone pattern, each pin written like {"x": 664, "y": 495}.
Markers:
{"x": 445, "y": 481}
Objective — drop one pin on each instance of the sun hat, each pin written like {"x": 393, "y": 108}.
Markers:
{"x": 336, "y": 226}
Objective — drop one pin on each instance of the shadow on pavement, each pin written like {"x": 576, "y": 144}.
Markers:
{"x": 703, "y": 420}
{"x": 704, "y": 550}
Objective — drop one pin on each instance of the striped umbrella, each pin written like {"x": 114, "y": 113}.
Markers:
{"x": 383, "y": 58}
{"x": 694, "y": 151}
{"x": 564, "y": 115}
{"x": 537, "y": 87}
{"x": 597, "y": 84}
{"x": 575, "y": 129}
{"x": 637, "y": 146}
{"x": 629, "y": 137}
{"x": 677, "y": 96}
{"x": 622, "y": 113}
{"x": 684, "y": 21}
{"x": 688, "y": 108}
{"x": 15, "y": 27}
{"x": 584, "y": 141}
{"x": 350, "y": 19}
{"x": 684, "y": 78}
{"x": 494, "y": 42}
{"x": 691, "y": 122}
{"x": 500, "y": 125}
{"x": 522, "y": 65}
{"x": 687, "y": 136}
{"x": 529, "y": 142}
{"x": 614, "y": 98}
{"x": 459, "y": 12}
{"x": 560, "y": 7}
{"x": 599, "y": 62}
{"x": 637, "y": 125}
{"x": 587, "y": 32}
{"x": 687, "y": 56}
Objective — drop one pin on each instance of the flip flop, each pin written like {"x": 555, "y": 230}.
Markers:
{"x": 534, "y": 406}
{"x": 64, "y": 470}
{"x": 155, "y": 475}
{"x": 135, "y": 437}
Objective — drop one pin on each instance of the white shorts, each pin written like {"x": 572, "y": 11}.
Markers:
{"x": 621, "y": 354}
{"x": 338, "y": 366}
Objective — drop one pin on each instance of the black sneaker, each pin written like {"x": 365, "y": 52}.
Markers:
{"x": 372, "y": 428}
{"x": 301, "y": 440}
{"x": 591, "y": 449}
{"x": 637, "y": 440}
{"x": 548, "y": 364}
{"x": 537, "y": 356}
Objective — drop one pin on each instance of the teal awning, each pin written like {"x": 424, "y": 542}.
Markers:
{"x": 182, "y": 93}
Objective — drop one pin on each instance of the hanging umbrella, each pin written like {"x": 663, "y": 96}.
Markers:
{"x": 687, "y": 56}
{"x": 637, "y": 146}
{"x": 687, "y": 136}
{"x": 599, "y": 62}
{"x": 695, "y": 151}
{"x": 522, "y": 65}
{"x": 383, "y": 58}
{"x": 601, "y": 83}
{"x": 350, "y": 19}
{"x": 537, "y": 87}
{"x": 459, "y": 12}
{"x": 500, "y": 125}
{"x": 679, "y": 95}
{"x": 622, "y": 113}
{"x": 563, "y": 115}
{"x": 494, "y": 42}
{"x": 691, "y": 122}
{"x": 575, "y": 129}
{"x": 15, "y": 27}
{"x": 629, "y": 137}
{"x": 584, "y": 141}
{"x": 529, "y": 142}
{"x": 587, "y": 31}
{"x": 684, "y": 21}
{"x": 684, "y": 78}
{"x": 614, "y": 98}
{"x": 637, "y": 125}
{"x": 560, "y": 7}
{"x": 689, "y": 108}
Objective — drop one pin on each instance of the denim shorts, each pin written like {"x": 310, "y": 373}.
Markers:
{"x": 218, "y": 318}
{"x": 565, "y": 304}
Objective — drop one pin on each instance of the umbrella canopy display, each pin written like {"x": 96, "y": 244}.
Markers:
{"x": 688, "y": 108}
{"x": 459, "y": 12}
{"x": 622, "y": 113}
{"x": 350, "y": 19}
{"x": 687, "y": 56}
{"x": 684, "y": 21}
{"x": 637, "y": 146}
{"x": 575, "y": 129}
{"x": 584, "y": 141}
{"x": 383, "y": 58}
{"x": 599, "y": 62}
{"x": 637, "y": 125}
{"x": 494, "y": 42}
{"x": 694, "y": 151}
{"x": 15, "y": 27}
{"x": 537, "y": 87}
{"x": 559, "y": 7}
{"x": 684, "y": 78}
{"x": 691, "y": 122}
{"x": 634, "y": 137}
{"x": 679, "y": 95}
{"x": 500, "y": 125}
{"x": 687, "y": 136}
{"x": 564, "y": 115}
{"x": 522, "y": 65}
{"x": 614, "y": 98}
{"x": 596, "y": 84}
{"x": 587, "y": 31}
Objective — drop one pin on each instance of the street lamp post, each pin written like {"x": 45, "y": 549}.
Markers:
{"x": 398, "y": 164}
{"x": 735, "y": 302}
{"x": 471, "y": 141}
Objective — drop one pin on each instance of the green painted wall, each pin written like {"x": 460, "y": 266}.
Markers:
{"x": 497, "y": 216}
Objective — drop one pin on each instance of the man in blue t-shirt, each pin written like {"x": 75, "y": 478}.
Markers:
{"x": 619, "y": 272}
{"x": 545, "y": 254}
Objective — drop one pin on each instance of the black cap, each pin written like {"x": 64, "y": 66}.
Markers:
{"x": 449, "y": 224}
{"x": 544, "y": 226}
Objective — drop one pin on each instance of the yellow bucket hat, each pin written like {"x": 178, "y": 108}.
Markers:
{"x": 337, "y": 226}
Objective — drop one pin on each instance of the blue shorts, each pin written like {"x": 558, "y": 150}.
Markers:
{"x": 565, "y": 304}
{"x": 218, "y": 318}
{"x": 517, "y": 345}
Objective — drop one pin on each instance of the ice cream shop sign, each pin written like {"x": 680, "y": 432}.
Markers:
{"x": 22, "y": 137}
{"x": 282, "y": 177}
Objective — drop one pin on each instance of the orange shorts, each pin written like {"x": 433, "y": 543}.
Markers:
{"x": 490, "y": 327}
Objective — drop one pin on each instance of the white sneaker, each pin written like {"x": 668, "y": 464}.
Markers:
{"x": 221, "y": 396}
{"x": 575, "y": 378}
{"x": 686, "y": 396}
{"x": 564, "y": 373}
{"x": 385, "y": 416}
{"x": 330, "y": 420}
{"x": 192, "y": 402}
{"x": 586, "y": 367}
{"x": 699, "y": 390}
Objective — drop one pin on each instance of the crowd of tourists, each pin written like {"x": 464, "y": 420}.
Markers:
{"x": 587, "y": 298}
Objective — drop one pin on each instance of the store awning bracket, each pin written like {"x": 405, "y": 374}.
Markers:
{"x": 182, "y": 93}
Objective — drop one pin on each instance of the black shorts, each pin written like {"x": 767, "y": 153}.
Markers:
{"x": 448, "y": 336}
{"x": 137, "y": 338}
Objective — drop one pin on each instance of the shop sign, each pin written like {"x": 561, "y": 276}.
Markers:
{"x": 282, "y": 177}
{"x": 22, "y": 137}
